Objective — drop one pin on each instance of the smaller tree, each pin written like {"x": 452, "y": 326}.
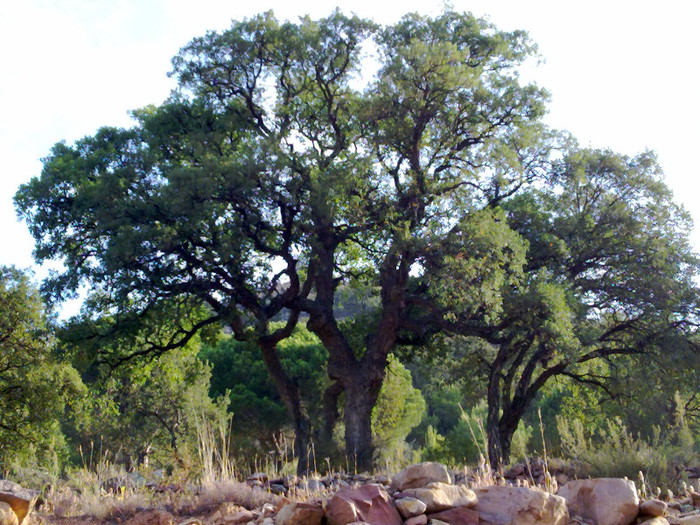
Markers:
{"x": 609, "y": 276}
{"x": 35, "y": 384}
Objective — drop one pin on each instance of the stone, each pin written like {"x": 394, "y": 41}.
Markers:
{"x": 516, "y": 470}
{"x": 440, "y": 496}
{"x": 605, "y": 501}
{"x": 419, "y": 475}
{"x": 502, "y": 505}
{"x": 277, "y": 488}
{"x": 369, "y": 503}
{"x": 21, "y": 500}
{"x": 409, "y": 507}
{"x": 229, "y": 513}
{"x": 312, "y": 485}
{"x": 457, "y": 516}
{"x": 437, "y": 522}
{"x": 382, "y": 480}
{"x": 689, "y": 520}
{"x": 7, "y": 515}
{"x": 657, "y": 521}
{"x": 299, "y": 514}
{"x": 653, "y": 507}
{"x": 421, "y": 519}
{"x": 695, "y": 498}
{"x": 262, "y": 477}
{"x": 152, "y": 517}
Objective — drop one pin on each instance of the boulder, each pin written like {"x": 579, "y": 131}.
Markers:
{"x": 502, "y": 505}
{"x": 456, "y": 516}
{"x": 21, "y": 500}
{"x": 689, "y": 520}
{"x": 262, "y": 477}
{"x": 605, "y": 501}
{"x": 229, "y": 513}
{"x": 653, "y": 507}
{"x": 299, "y": 514}
{"x": 695, "y": 498}
{"x": 409, "y": 507}
{"x": 440, "y": 496}
{"x": 421, "y": 519}
{"x": 368, "y": 503}
{"x": 7, "y": 515}
{"x": 657, "y": 521}
{"x": 420, "y": 475}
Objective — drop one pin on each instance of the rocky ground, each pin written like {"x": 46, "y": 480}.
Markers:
{"x": 422, "y": 494}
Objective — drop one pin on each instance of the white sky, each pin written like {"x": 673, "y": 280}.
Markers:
{"x": 622, "y": 74}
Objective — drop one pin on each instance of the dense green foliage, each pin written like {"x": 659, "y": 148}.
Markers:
{"x": 420, "y": 209}
{"x": 258, "y": 412}
{"x": 36, "y": 385}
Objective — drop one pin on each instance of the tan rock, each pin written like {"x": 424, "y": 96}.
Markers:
{"x": 7, "y": 515}
{"x": 368, "y": 503}
{"x": 656, "y": 521}
{"x": 689, "y": 520}
{"x": 409, "y": 507}
{"x": 299, "y": 514}
{"x": 695, "y": 498}
{"x": 457, "y": 516}
{"x": 421, "y": 519}
{"x": 437, "y": 522}
{"x": 653, "y": 507}
{"x": 420, "y": 475}
{"x": 440, "y": 496}
{"x": 501, "y": 505}
{"x": 20, "y": 499}
{"x": 605, "y": 501}
{"x": 231, "y": 514}
{"x": 152, "y": 517}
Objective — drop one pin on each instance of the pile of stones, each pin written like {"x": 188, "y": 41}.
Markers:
{"x": 424, "y": 494}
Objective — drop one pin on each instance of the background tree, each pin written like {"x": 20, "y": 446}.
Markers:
{"x": 36, "y": 385}
{"x": 277, "y": 169}
{"x": 147, "y": 409}
{"x": 608, "y": 275}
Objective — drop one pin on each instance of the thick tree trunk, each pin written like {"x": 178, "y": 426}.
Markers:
{"x": 289, "y": 392}
{"x": 499, "y": 433}
{"x": 493, "y": 436}
{"x": 361, "y": 395}
{"x": 326, "y": 447}
{"x": 493, "y": 398}
{"x": 507, "y": 428}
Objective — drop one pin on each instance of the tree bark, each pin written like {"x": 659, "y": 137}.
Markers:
{"x": 289, "y": 392}
{"x": 493, "y": 437}
{"x": 361, "y": 393}
{"x": 326, "y": 447}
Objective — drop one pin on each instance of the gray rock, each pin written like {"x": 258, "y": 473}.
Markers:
{"x": 605, "y": 501}
{"x": 420, "y": 475}
{"x": 440, "y": 496}
{"x": 503, "y": 505}
{"x": 21, "y": 500}
{"x": 409, "y": 507}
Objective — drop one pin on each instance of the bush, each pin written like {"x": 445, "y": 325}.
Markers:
{"x": 613, "y": 451}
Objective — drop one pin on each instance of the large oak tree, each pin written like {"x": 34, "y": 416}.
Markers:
{"x": 294, "y": 157}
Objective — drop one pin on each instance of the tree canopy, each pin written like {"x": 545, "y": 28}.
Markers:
{"x": 285, "y": 165}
